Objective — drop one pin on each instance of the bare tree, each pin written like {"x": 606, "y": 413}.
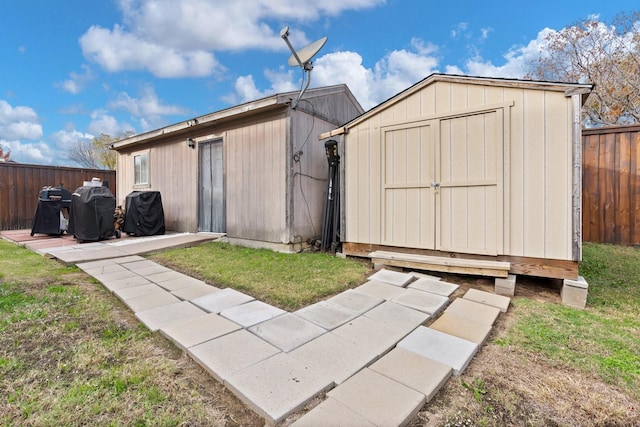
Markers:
{"x": 608, "y": 56}
{"x": 4, "y": 157}
{"x": 96, "y": 154}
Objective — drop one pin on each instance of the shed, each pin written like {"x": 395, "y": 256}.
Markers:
{"x": 468, "y": 168}
{"x": 251, "y": 171}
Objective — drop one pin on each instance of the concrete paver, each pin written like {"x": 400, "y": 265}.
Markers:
{"x": 138, "y": 291}
{"x": 499, "y": 301}
{"x": 165, "y": 276}
{"x": 462, "y": 328}
{"x": 251, "y": 313}
{"x": 192, "y": 332}
{"x": 278, "y": 386}
{"x": 397, "y": 317}
{"x": 441, "y": 347}
{"x": 326, "y": 315}
{"x": 154, "y": 269}
{"x": 107, "y": 277}
{"x": 139, "y": 264}
{"x": 372, "y": 336}
{"x": 147, "y": 302}
{"x": 84, "y": 266}
{"x": 427, "y": 302}
{"x": 334, "y": 356}
{"x": 111, "y": 267}
{"x": 127, "y": 259}
{"x": 474, "y": 311}
{"x": 419, "y": 275}
{"x": 332, "y": 413}
{"x": 417, "y": 372}
{"x": 223, "y": 356}
{"x": 195, "y": 291}
{"x": 355, "y": 301}
{"x": 392, "y": 277}
{"x": 129, "y": 282}
{"x": 221, "y": 300}
{"x": 287, "y": 332}
{"x": 159, "y": 317}
{"x": 379, "y": 289}
{"x": 179, "y": 283}
{"x": 387, "y": 402}
{"x": 434, "y": 286}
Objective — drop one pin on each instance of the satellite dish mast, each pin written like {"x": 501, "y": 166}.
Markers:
{"x": 302, "y": 59}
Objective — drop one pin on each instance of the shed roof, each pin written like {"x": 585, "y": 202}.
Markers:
{"x": 568, "y": 88}
{"x": 273, "y": 102}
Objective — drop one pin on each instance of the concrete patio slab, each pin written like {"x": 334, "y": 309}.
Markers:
{"x": 198, "y": 330}
{"x": 73, "y": 255}
{"x": 326, "y": 315}
{"x": 138, "y": 291}
{"x": 392, "y": 277}
{"x": 195, "y": 291}
{"x": 397, "y": 317}
{"x": 179, "y": 283}
{"x": 441, "y": 347}
{"x": 427, "y": 302}
{"x": 462, "y": 328}
{"x": 334, "y": 356}
{"x": 332, "y": 413}
{"x": 278, "y": 386}
{"x": 414, "y": 371}
{"x": 387, "y": 402}
{"x": 379, "y": 289}
{"x": 434, "y": 286}
{"x": 147, "y": 302}
{"x": 112, "y": 285}
{"x": 355, "y": 301}
{"x": 221, "y": 300}
{"x": 498, "y": 301}
{"x": 287, "y": 332}
{"x": 251, "y": 313}
{"x": 474, "y": 311}
{"x": 223, "y": 356}
{"x": 160, "y": 317}
{"x": 372, "y": 336}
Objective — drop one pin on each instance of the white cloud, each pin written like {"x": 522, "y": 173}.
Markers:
{"x": 18, "y": 122}
{"x": 393, "y": 73}
{"x": 517, "y": 59}
{"x": 77, "y": 81}
{"x": 147, "y": 108}
{"x": 67, "y": 138}
{"x": 119, "y": 50}
{"x": 176, "y": 39}
{"x": 33, "y": 152}
{"x": 102, "y": 122}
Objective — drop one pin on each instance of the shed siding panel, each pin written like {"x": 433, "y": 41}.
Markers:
{"x": 535, "y": 160}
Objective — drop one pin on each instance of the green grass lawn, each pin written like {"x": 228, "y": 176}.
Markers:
{"x": 603, "y": 339}
{"x": 289, "y": 281}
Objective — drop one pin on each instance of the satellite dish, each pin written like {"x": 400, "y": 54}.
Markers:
{"x": 302, "y": 59}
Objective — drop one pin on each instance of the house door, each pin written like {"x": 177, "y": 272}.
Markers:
{"x": 442, "y": 183}
{"x": 211, "y": 200}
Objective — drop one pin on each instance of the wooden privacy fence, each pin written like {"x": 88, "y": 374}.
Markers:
{"x": 611, "y": 185}
{"x": 20, "y": 185}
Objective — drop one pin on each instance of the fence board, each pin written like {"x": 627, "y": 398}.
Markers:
{"x": 20, "y": 185}
{"x": 611, "y": 185}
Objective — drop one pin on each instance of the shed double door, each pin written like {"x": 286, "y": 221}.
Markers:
{"x": 211, "y": 194}
{"x": 442, "y": 182}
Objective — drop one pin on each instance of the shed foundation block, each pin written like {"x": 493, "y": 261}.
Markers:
{"x": 506, "y": 286}
{"x": 574, "y": 292}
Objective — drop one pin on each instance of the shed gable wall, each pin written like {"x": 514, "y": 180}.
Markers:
{"x": 536, "y": 172}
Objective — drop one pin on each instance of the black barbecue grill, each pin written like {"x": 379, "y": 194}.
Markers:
{"x": 52, "y": 211}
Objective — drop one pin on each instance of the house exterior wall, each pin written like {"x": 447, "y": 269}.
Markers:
{"x": 534, "y": 165}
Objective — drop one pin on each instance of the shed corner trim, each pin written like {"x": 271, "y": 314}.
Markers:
{"x": 340, "y": 131}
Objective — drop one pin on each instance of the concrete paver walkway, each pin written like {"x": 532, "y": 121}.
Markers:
{"x": 366, "y": 348}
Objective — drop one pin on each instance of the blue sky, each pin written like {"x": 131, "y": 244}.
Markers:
{"x": 74, "y": 69}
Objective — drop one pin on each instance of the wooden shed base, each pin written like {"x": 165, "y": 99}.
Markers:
{"x": 464, "y": 263}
